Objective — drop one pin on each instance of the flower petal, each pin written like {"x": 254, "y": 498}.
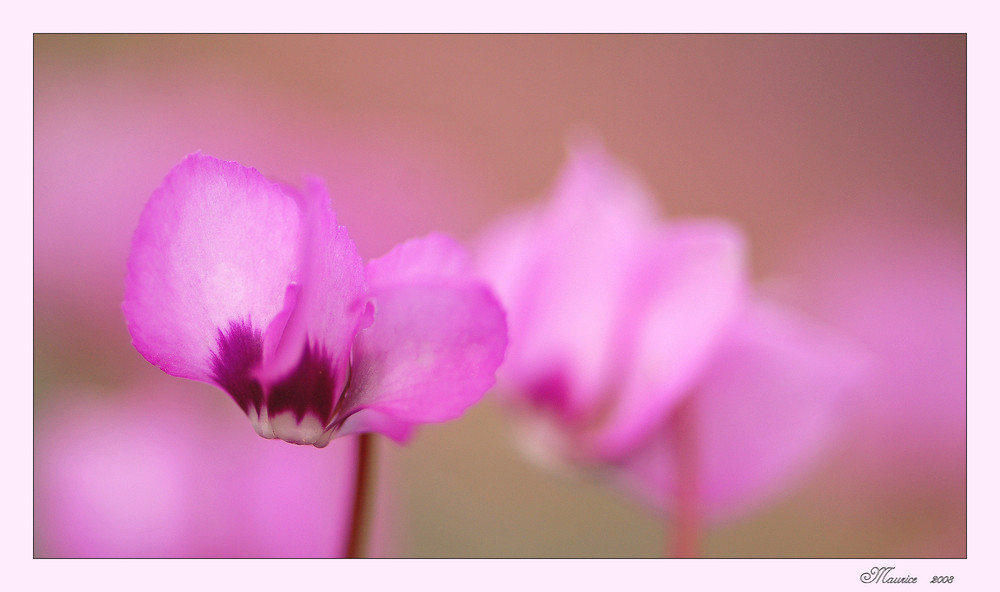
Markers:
{"x": 434, "y": 346}
{"x": 687, "y": 285}
{"x": 560, "y": 271}
{"x": 771, "y": 397}
{"x": 216, "y": 245}
{"x": 325, "y": 309}
{"x": 306, "y": 350}
{"x": 427, "y": 259}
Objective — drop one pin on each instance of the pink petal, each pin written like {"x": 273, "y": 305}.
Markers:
{"x": 561, "y": 272}
{"x": 436, "y": 341}
{"x": 893, "y": 275}
{"x": 427, "y": 259}
{"x": 216, "y": 244}
{"x": 326, "y": 306}
{"x": 686, "y": 287}
{"x": 770, "y": 398}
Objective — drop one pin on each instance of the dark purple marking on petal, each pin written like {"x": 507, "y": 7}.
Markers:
{"x": 308, "y": 389}
{"x": 550, "y": 392}
{"x": 239, "y": 352}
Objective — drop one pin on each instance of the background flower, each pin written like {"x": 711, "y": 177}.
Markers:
{"x": 638, "y": 348}
{"x": 896, "y": 282}
{"x": 614, "y": 311}
{"x": 770, "y": 401}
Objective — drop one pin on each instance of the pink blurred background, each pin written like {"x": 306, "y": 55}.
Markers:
{"x": 842, "y": 157}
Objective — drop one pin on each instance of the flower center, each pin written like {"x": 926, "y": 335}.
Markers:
{"x": 309, "y": 388}
{"x": 296, "y": 408}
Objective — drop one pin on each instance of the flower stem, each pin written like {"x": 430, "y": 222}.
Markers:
{"x": 687, "y": 515}
{"x": 362, "y": 498}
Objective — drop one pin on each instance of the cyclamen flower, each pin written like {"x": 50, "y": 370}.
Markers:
{"x": 239, "y": 282}
{"x": 771, "y": 399}
{"x": 618, "y": 322}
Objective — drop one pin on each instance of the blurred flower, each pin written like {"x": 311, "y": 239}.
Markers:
{"x": 894, "y": 278}
{"x": 617, "y": 321}
{"x": 238, "y": 282}
{"x": 611, "y": 315}
{"x": 771, "y": 398}
{"x": 139, "y": 474}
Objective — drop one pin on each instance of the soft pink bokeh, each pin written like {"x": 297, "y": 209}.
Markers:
{"x": 892, "y": 275}
{"x": 167, "y": 472}
{"x": 895, "y": 278}
{"x": 102, "y": 147}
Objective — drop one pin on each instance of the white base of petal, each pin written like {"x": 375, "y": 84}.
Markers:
{"x": 285, "y": 427}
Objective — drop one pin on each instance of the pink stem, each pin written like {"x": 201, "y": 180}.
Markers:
{"x": 687, "y": 514}
{"x": 362, "y": 494}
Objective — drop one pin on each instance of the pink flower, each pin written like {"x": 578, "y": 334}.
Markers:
{"x": 239, "y": 282}
{"x": 772, "y": 398}
{"x": 616, "y": 320}
{"x": 891, "y": 272}
{"x": 138, "y": 474}
{"x": 611, "y": 315}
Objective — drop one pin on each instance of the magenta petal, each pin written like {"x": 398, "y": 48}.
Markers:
{"x": 428, "y": 259}
{"x": 216, "y": 245}
{"x": 769, "y": 399}
{"x": 436, "y": 341}
{"x": 561, "y": 271}
{"x": 325, "y": 308}
{"x": 686, "y": 287}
